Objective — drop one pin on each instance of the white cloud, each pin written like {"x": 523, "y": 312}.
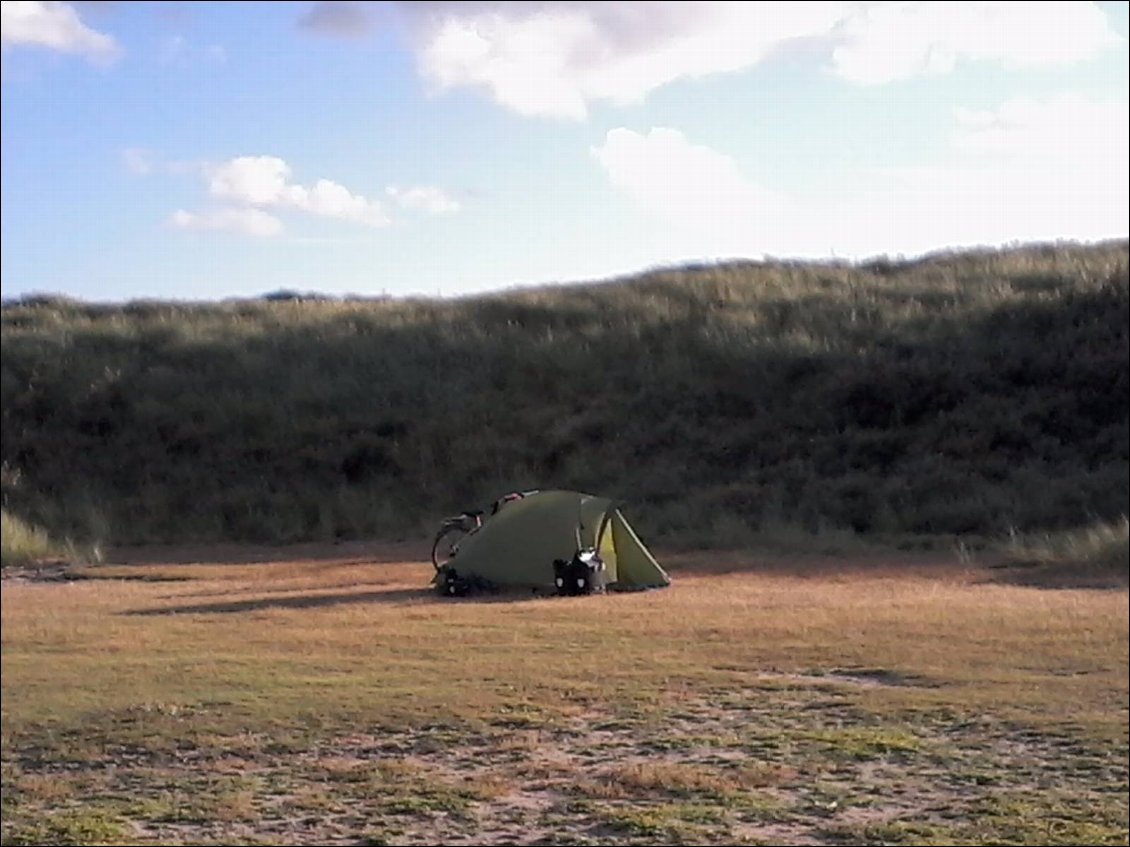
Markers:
{"x": 245, "y": 221}
{"x": 687, "y": 183}
{"x": 1028, "y": 170}
{"x": 331, "y": 200}
{"x": 555, "y": 59}
{"x": 917, "y": 210}
{"x": 1056, "y": 163}
{"x": 1067, "y": 130}
{"x": 1014, "y": 182}
{"x": 891, "y": 41}
{"x": 55, "y": 26}
{"x": 265, "y": 181}
{"x": 257, "y": 180}
{"x": 423, "y": 198}
{"x": 249, "y": 185}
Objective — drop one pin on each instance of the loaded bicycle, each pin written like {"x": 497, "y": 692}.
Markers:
{"x": 452, "y": 532}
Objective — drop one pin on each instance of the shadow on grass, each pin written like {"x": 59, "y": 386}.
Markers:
{"x": 315, "y": 601}
{"x": 303, "y": 601}
{"x": 802, "y": 564}
{"x": 1059, "y": 577}
{"x": 355, "y": 552}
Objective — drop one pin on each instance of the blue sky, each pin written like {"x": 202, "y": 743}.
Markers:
{"x": 200, "y": 151}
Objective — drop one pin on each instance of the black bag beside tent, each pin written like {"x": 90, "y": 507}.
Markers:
{"x": 583, "y": 574}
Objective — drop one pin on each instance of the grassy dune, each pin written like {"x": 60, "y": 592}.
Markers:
{"x": 973, "y": 394}
{"x": 322, "y": 700}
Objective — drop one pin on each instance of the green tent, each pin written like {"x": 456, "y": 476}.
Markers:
{"x": 518, "y": 545}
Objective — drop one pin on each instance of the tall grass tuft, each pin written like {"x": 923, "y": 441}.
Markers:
{"x": 1101, "y": 547}
{"x": 22, "y": 543}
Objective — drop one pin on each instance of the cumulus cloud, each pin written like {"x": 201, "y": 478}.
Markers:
{"x": 249, "y": 186}
{"x": 884, "y": 42}
{"x": 55, "y": 26}
{"x": 258, "y": 180}
{"x": 423, "y": 198}
{"x": 254, "y": 222}
{"x": 340, "y": 19}
{"x": 556, "y": 59}
{"x": 265, "y": 181}
{"x": 688, "y": 183}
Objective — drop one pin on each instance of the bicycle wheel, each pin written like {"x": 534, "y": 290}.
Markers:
{"x": 446, "y": 545}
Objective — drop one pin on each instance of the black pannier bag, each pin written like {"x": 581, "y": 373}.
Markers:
{"x": 583, "y": 574}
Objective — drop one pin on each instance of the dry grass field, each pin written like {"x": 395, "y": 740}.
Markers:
{"x": 322, "y": 695}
